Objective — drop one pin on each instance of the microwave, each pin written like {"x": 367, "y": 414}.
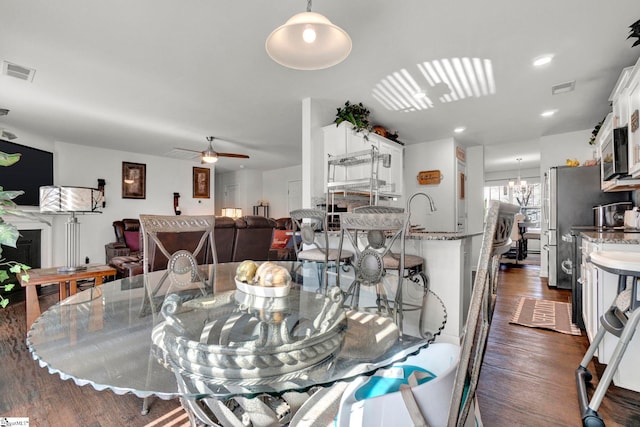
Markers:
{"x": 615, "y": 151}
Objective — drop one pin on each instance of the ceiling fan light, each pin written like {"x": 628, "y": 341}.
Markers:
{"x": 308, "y": 41}
{"x": 209, "y": 156}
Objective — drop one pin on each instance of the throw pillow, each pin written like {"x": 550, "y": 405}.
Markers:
{"x": 280, "y": 239}
{"x": 132, "y": 238}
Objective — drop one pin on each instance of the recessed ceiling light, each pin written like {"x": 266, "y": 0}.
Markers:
{"x": 459, "y": 129}
{"x": 542, "y": 60}
{"x": 548, "y": 113}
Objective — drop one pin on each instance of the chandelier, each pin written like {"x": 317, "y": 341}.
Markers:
{"x": 520, "y": 188}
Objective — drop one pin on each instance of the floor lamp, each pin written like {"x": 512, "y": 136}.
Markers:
{"x": 70, "y": 201}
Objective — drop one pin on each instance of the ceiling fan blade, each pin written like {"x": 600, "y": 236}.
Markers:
{"x": 186, "y": 149}
{"x": 238, "y": 156}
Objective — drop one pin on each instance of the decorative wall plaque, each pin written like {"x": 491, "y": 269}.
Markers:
{"x": 429, "y": 177}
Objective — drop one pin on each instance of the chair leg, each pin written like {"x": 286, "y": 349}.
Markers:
{"x": 589, "y": 412}
{"x": 145, "y": 406}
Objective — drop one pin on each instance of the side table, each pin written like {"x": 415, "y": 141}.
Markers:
{"x": 43, "y": 276}
{"x": 261, "y": 210}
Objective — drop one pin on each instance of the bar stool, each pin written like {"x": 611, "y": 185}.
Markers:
{"x": 620, "y": 320}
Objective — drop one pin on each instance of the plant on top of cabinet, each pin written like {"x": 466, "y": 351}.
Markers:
{"x": 594, "y": 133}
{"x": 356, "y": 114}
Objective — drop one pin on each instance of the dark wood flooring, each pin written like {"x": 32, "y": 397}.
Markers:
{"x": 527, "y": 378}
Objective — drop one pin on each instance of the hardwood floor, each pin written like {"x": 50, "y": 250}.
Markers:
{"x": 527, "y": 378}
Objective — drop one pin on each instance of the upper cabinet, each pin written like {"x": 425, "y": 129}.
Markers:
{"x": 359, "y": 165}
{"x": 631, "y": 109}
{"x": 620, "y": 128}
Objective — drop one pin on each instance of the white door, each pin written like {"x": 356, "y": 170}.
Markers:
{"x": 294, "y": 195}
{"x": 231, "y": 196}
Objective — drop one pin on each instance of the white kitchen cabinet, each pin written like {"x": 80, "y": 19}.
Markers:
{"x": 350, "y": 157}
{"x": 632, "y": 108}
{"x": 599, "y": 289}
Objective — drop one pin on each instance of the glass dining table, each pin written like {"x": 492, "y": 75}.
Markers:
{"x": 152, "y": 337}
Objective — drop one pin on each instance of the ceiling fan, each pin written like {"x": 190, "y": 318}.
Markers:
{"x": 210, "y": 155}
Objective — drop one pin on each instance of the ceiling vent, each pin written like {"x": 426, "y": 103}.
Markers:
{"x": 563, "y": 87}
{"x": 18, "y": 71}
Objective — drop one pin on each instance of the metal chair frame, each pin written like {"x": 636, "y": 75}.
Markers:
{"x": 307, "y": 223}
{"x": 382, "y": 231}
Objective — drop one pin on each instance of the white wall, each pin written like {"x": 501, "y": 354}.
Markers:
{"x": 432, "y": 155}
{"x": 475, "y": 198}
{"x": 81, "y": 166}
{"x": 249, "y": 184}
{"x": 275, "y": 187}
{"x": 503, "y": 177}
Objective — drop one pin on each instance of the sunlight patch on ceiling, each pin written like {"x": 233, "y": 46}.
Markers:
{"x": 438, "y": 81}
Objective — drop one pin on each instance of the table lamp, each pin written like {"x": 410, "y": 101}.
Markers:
{"x": 70, "y": 201}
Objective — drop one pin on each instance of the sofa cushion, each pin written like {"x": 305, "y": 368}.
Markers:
{"x": 132, "y": 238}
{"x": 281, "y": 239}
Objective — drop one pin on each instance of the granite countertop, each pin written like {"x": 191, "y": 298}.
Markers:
{"x": 433, "y": 235}
{"x": 428, "y": 235}
{"x": 616, "y": 237}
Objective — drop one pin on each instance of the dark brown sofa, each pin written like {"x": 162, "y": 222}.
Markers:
{"x": 253, "y": 238}
{"x": 235, "y": 240}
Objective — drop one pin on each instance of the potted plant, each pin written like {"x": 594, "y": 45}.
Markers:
{"x": 356, "y": 114}
{"x": 9, "y": 233}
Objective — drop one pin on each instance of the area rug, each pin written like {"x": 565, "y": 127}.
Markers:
{"x": 544, "y": 314}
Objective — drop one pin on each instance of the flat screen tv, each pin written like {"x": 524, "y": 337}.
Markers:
{"x": 34, "y": 170}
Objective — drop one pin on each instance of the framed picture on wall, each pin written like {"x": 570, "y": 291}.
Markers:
{"x": 201, "y": 183}
{"x": 134, "y": 180}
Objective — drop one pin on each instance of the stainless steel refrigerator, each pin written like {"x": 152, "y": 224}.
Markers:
{"x": 571, "y": 194}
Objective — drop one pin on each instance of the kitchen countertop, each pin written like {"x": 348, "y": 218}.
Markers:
{"x": 431, "y": 235}
{"x": 627, "y": 237}
{"x": 428, "y": 235}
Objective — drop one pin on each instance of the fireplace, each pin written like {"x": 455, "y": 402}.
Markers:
{"x": 27, "y": 251}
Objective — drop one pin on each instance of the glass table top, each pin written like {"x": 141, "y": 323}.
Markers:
{"x": 152, "y": 337}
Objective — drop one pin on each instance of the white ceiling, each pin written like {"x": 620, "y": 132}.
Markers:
{"x": 150, "y": 75}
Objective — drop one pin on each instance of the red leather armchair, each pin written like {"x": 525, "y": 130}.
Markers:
{"x": 126, "y": 252}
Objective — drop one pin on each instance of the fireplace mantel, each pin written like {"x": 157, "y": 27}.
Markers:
{"x": 46, "y": 248}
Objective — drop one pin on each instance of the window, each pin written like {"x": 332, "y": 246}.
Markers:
{"x": 528, "y": 198}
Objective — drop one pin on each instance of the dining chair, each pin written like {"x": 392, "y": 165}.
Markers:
{"x": 178, "y": 245}
{"x": 414, "y": 268}
{"x": 467, "y": 359}
{"x": 372, "y": 234}
{"x": 311, "y": 242}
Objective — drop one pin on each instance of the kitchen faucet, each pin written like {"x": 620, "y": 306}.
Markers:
{"x": 432, "y": 205}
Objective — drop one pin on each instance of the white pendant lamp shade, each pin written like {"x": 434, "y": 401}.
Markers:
{"x": 308, "y": 41}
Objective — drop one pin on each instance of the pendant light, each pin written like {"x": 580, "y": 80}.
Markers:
{"x": 308, "y": 41}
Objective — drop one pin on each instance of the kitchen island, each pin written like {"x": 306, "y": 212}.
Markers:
{"x": 448, "y": 267}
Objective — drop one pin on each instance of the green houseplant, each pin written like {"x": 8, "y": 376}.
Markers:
{"x": 9, "y": 233}
{"x": 356, "y": 114}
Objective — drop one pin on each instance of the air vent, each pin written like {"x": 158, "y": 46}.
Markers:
{"x": 563, "y": 87}
{"x": 17, "y": 71}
